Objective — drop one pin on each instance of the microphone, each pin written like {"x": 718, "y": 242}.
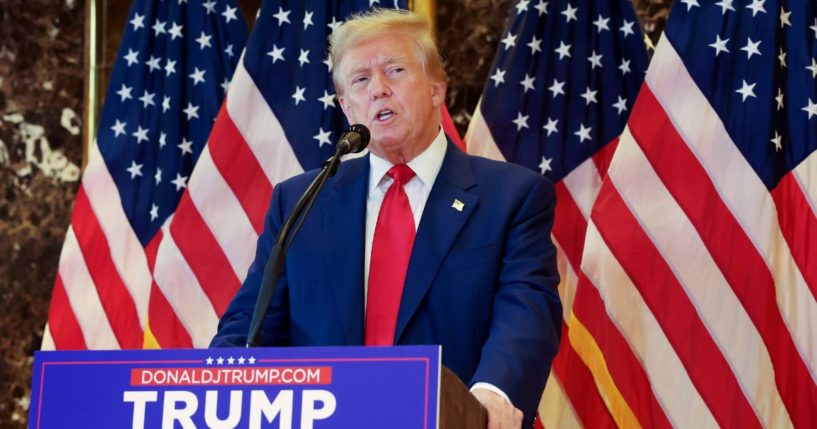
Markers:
{"x": 353, "y": 140}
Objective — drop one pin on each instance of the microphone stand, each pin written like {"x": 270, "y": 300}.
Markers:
{"x": 269, "y": 282}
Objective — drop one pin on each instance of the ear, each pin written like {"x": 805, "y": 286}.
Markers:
{"x": 438, "y": 93}
{"x": 345, "y": 108}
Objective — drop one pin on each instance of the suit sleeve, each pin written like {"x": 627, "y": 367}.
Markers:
{"x": 527, "y": 313}
{"x": 234, "y": 324}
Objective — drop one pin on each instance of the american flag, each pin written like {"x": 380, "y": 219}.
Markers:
{"x": 701, "y": 245}
{"x": 170, "y": 76}
{"x": 279, "y": 119}
{"x": 564, "y": 79}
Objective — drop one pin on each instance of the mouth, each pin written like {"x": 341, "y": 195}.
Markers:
{"x": 383, "y": 115}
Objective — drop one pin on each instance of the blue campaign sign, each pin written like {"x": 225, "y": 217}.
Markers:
{"x": 311, "y": 387}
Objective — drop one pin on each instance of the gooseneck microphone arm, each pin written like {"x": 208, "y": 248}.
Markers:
{"x": 354, "y": 140}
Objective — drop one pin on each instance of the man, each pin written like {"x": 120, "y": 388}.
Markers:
{"x": 417, "y": 243}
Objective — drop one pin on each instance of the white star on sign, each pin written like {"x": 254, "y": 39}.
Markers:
{"x": 191, "y": 111}
{"x": 322, "y": 137}
{"x": 498, "y": 77}
{"x": 544, "y": 166}
{"x": 134, "y": 169}
{"x": 209, "y": 361}
{"x": 131, "y": 57}
{"x": 282, "y": 16}
{"x": 251, "y": 360}
{"x": 551, "y": 126}
{"x": 583, "y": 133}
{"x": 204, "y": 41}
{"x": 527, "y": 83}
{"x": 276, "y": 53}
{"x": 747, "y": 90}
{"x": 563, "y": 50}
{"x": 118, "y": 128}
{"x": 197, "y": 76}
{"x": 229, "y": 14}
{"x": 138, "y": 21}
{"x": 298, "y": 96}
{"x": 719, "y": 45}
{"x": 328, "y": 100}
{"x": 181, "y": 183}
{"x": 124, "y": 92}
{"x": 141, "y": 134}
{"x": 521, "y": 121}
{"x": 230, "y": 360}
{"x": 751, "y": 47}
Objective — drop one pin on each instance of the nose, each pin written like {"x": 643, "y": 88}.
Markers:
{"x": 379, "y": 87}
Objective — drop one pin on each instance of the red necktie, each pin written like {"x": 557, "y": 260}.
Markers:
{"x": 391, "y": 251}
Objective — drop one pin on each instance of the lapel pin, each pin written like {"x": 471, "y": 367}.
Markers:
{"x": 458, "y": 205}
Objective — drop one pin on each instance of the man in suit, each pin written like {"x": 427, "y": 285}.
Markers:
{"x": 416, "y": 243}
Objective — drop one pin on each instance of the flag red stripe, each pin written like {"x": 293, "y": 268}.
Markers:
{"x": 450, "y": 129}
{"x": 642, "y": 261}
{"x": 115, "y": 297}
{"x": 164, "y": 323}
{"x": 799, "y": 227}
{"x": 603, "y": 157}
{"x": 204, "y": 255}
{"x": 240, "y": 169}
{"x": 623, "y": 365}
{"x": 569, "y": 226}
{"x": 733, "y": 252}
{"x": 578, "y": 384}
{"x": 65, "y": 329}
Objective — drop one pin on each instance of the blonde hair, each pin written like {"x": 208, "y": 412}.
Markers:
{"x": 377, "y": 22}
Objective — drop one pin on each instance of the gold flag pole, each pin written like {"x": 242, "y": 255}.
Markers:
{"x": 427, "y": 9}
{"x": 90, "y": 112}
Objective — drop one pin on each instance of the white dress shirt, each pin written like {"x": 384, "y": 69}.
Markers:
{"x": 426, "y": 166}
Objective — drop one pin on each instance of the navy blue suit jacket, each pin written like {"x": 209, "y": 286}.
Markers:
{"x": 481, "y": 282}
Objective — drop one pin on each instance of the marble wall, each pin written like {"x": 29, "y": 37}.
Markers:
{"x": 41, "y": 89}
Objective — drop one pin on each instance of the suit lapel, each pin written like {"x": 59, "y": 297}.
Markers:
{"x": 447, "y": 210}
{"x": 343, "y": 222}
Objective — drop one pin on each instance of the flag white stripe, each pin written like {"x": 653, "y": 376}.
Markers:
{"x": 261, "y": 130}
{"x": 218, "y": 206}
{"x": 83, "y": 297}
{"x": 479, "y": 140}
{"x": 183, "y": 291}
{"x": 127, "y": 253}
{"x": 584, "y": 183}
{"x": 715, "y": 301}
{"x": 555, "y": 408}
{"x": 670, "y": 382}
{"x": 806, "y": 176}
{"x": 740, "y": 189}
{"x": 48, "y": 340}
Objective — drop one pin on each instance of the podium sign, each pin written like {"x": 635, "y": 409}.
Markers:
{"x": 313, "y": 387}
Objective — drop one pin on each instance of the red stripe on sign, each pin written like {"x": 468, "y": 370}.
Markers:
{"x": 204, "y": 255}
{"x": 603, "y": 157}
{"x": 65, "y": 329}
{"x": 642, "y": 261}
{"x": 569, "y": 226}
{"x": 799, "y": 227}
{"x": 115, "y": 297}
{"x": 240, "y": 169}
{"x": 733, "y": 252}
{"x": 578, "y": 384}
{"x": 623, "y": 365}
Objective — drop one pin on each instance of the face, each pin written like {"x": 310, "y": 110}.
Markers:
{"x": 386, "y": 89}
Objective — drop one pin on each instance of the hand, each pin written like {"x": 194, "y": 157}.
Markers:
{"x": 501, "y": 413}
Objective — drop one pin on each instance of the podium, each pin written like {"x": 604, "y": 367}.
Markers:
{"x": 311, "y": 387}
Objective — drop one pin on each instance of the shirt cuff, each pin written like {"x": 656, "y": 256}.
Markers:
{"x": 492, "y": 388}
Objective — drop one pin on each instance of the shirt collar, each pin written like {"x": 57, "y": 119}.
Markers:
{"x": 426, "y": 165}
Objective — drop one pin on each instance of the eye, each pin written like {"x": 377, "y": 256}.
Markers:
{"x": 396, "y": 70}
{"x": 359, "y": 79}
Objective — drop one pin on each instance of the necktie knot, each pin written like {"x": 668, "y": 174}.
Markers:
{"x": 401, "y": 173}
